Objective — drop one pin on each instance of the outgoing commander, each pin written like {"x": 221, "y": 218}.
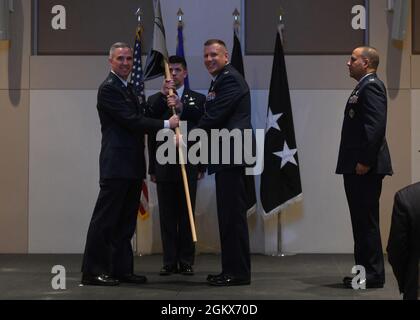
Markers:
{"x": 108, "y": 257}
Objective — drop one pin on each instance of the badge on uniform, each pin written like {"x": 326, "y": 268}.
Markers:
{"x": 191, "y": 101}
{"x": 211, "y": 96}
{"x": 352, "y": 113}
{"x": 354, "y": 99}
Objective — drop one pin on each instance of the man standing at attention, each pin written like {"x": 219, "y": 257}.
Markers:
{"x": 177, "y": 242}
{"x": 364, "y": 161}
{"x": 108, "y": 257}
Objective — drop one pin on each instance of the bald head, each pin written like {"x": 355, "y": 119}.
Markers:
{"x": 363, "y": 60}
{"x": 372, "y": 56}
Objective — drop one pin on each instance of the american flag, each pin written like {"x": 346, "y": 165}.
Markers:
{"x": 137, "y": 78}
{"x": 137, "y": 81}
{"x": 143, "y": 211}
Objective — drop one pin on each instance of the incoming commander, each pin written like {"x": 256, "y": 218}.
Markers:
{"x": 228, "y": 107}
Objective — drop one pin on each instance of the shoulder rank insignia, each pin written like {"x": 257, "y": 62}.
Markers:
{"x": 354, "y": 98}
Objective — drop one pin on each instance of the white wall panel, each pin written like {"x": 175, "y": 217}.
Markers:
{"x": 64, "y": 149}
{"x": 415, "y": 135}
{"x": 63, "y": 169}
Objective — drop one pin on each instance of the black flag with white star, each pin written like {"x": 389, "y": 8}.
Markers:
{"x": 237, "y": 63}
{"x": 280, "y": 180}
{"x": 236, "y": 59}
{"x": 155, "y": 66}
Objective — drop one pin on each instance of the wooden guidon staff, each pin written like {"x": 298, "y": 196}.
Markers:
{"x": 181, "y": 160}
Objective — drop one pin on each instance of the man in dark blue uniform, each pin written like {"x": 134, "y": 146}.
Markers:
{"x": 177, "y": 243}
{"x": 364, "y": 160}
{"x": 108, "y": 257}
{"x": 228, "y": 107}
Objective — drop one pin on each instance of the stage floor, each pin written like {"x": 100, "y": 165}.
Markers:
{"x": 294, "y": 277}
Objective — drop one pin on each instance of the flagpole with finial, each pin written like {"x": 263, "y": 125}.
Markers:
{"x": 236, "y": 56}
{"x": 138, "y": 15}
{"x": 180, "y": 15}
{"x": 180, "y": 42}
{"x": 158, "y": 52}
{"x": 136, "y": 246}
{"x": 168, "y": 76}
{"x": 236, "y": 21}
{"x": 280, "y": 253}
{"x": 280, "y": 25}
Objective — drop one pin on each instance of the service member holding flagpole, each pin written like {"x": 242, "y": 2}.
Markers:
{"x": 156, "y": 65}
{"x": 108, "y": 257}
{"x": 228, "y": 107}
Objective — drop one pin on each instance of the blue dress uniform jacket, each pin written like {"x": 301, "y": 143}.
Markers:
{"x": 123, "y": 125}
{"x": 192, "y": 111}
{"x": 228, "y": 106}
{"x": 363, "y": 133}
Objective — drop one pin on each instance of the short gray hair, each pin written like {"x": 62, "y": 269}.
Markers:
{"x": 118, "y": 45}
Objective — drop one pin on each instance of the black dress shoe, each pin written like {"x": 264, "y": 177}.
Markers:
{"x": 168, "y": 270}
{"x": 370, "y": 284}
{"x": 132, "y": 278}
{"x": 212, "y": 277}
{"x": 100, "y": 280}
{"x": 226, "y": 281}
{"x": 186, "y": 269}
{"x": 374, "y": 284}
{"x": 347, "y": 282}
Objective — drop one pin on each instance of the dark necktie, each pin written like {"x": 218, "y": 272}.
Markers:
{"x": 130, "y": 90}
{"x": 211, "y": 86}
